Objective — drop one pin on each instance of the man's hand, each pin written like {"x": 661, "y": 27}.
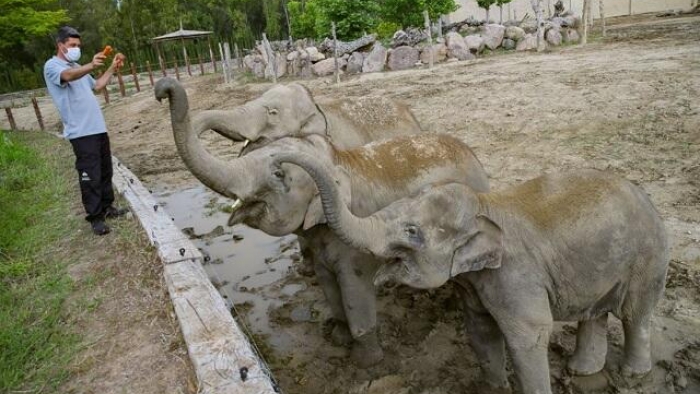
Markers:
{"x": 98, "y": 60}
{"x": 118, "y": 61}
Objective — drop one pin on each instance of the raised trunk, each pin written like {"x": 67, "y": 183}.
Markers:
{"x": 242, "y": 123}
{"x": 361, "y": 233}
{"x": 222, "y": 177}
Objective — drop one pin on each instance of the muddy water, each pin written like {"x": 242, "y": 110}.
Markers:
{"x": 241, "y": 260}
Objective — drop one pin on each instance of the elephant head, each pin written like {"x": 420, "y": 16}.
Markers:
{"x": 272, "y": 198}
{"x": 282, "y": 111}
{"x": 426, "y": 239}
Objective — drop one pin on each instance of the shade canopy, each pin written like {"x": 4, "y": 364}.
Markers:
{"x": 182, "y": 34}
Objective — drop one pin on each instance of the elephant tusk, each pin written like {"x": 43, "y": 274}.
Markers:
{"x": 236, "y": 204}
{"x": 245, "y": 143}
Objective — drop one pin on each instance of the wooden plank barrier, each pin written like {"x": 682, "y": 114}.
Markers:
{"x": 10, "y": 118}
{"x": 222, "y": 356}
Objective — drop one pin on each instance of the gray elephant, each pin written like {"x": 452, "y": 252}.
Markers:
{"x": 570, "y": 246}
{"x": 291, "y": 111}
{"x": 280, "y": 200}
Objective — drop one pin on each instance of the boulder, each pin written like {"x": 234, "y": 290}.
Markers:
{"x": 529, "y": 25}
{"x": 375, "y": 60}
{"x": 528, "y": 43}
{"x": 475, "y": 44}
{"x": 348, "y": 47}
{"x": 402, "y": 58}
{"x": 573, "y": 36}
{"x": 456, "y": 47}
{"x": 408, "y": 37}
{"x": 508, "y": 44}
{"x": 439, "y": 53}
{"x": 315, "y": 55}
{"x": 493, "y": 35}
{"x": 292, "y": 56}
{"x": 469, "y": 30}
{"x": 553, "y": 37}
{"x": 327, "y": 66}
{"x": 514, "y": 33}
{"x": 355, "y": 63}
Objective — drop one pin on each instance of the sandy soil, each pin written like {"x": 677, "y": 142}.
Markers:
{"x": 629, "y": 104}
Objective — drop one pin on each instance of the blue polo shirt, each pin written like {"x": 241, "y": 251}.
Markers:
{"x": 76, "y": 102}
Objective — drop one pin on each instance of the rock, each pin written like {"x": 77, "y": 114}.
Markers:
{"x": 573, "y": 36}
{"x": 493, "y": 35}
{"x": 374, "y": 62}
{"x": 553, "y": 37}
{"x": 347, "y": 46}
{"x": 514, "y": 33}
{"x": 327, "y": 66}
{"x": 408, "y": 37}
{"x": 528, "y": 43}
{"x": 439, "y": 52}
{"x": 281, "y": 64}
{"x": 469, "y": 30}
{"x": 475, "y": 44}
{"x": 508, "y": 44}
{"x": 291, "y": 56}
{"x": 529, "y": 25}
{"x": 402, "y": 58}
{"x": 456, "y": 47}
{"x": 355, "y": 63}
{"x": 314, "y": 54}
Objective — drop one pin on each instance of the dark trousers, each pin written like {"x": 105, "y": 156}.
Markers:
{"x": 93, "y": 160}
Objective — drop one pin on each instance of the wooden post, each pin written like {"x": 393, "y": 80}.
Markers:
{"x": 227, "y": 62}
{"x": 584, "y": 20}
{"x": 177, "y": 70}
{"x": 136, "y": 77}
{"x": 211, "y": 55}
{"x": 601, "y": 9}
{"x": 537, "y": 6}
{"x": 105, "y": 92}
{"x": 440, "y": 28}
{"x": 122, "y": 89}
{"x": 223, "y": 63}
{"x": 150, "y": 73}
{"x": 271, "y": 59}
{"x": 239, "y": 61}
{"x": 335, "y": 54}
{"x": 630, "y": 8}
{"x": 201, "y": 65}
{"x": 426, "y": 20}
{"x": 10, "y": 118}
{"x": 37, "y": 111}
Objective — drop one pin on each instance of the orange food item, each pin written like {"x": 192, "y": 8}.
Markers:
{"x": 107, "y": 50}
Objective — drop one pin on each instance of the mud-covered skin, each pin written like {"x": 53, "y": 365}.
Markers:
{"x": 571, "y": 246}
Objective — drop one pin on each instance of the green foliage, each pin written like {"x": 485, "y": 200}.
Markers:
{"x": 34, "y": 216}
{"x": 352, "y": 17}
{"x": 302, "y": 17}
{"x": 21, "y": 20}
{"x": 485, "y": 4}
{"x": 408, "y": 13}
{"x": 387, "y": 29}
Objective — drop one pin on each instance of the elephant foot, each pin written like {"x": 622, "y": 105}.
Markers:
{"x": 636, "y": 370}
{"x": 585, "y": 365}
{"x": 487, "y": 388}
{"x": 340, "y": 335}
{"x": 366, "y": 351}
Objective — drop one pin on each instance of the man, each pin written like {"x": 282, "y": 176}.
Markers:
{"x": 71, "y": 87}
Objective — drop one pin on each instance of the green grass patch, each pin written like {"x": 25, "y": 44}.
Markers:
{"x": 36, "y": 193}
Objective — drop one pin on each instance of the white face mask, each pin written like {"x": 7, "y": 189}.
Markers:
{"x": 73, "y": 54}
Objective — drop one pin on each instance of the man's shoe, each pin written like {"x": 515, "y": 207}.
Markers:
{"x": 100, "y": 228}
{"x": 112, "y": 212}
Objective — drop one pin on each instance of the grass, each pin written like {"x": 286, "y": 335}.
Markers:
{"x": 35, "y": 218}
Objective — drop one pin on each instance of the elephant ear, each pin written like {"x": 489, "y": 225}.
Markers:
{"x": 314, "y": 212}
{"x": 484, "y": 249}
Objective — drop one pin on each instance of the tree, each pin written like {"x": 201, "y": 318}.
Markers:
{"x": 302, "y": 17}
{"x": 500, "y": 6}
{"x": 408, "y": 13}
{"x": 352, "y": 17}
{"x": 486, "y": 4}
{"x": 21, "y": 20}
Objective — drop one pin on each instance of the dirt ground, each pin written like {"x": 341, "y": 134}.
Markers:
{"x": 629, "y": 104}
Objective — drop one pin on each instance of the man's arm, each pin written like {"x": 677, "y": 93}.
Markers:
{"x": 103, "y": 80}
{"x": 71, "y": 74}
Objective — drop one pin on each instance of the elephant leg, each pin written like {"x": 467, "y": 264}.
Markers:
{"x": 591, "y": 346}
{"x": 485, "y": 339}
{"x": 355, "y": 278}
{"x": 327, "y": 279}
{"x": 637, "y": 359}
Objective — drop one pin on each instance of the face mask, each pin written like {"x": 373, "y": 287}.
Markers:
{"x": 73, "y": 54}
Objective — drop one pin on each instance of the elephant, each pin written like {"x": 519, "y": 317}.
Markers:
{"x": 567, "y": 246}
{"x": 283, "y": 200}
{"x": 291, "y": 111}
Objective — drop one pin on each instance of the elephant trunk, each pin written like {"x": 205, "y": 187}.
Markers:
{"x": 362, "y": 233}
{"x": 244, "y": 123}
{"x": 222, "y": 177}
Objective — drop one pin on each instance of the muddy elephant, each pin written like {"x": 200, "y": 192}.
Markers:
{"x": 573, "y": 246}
{"x": 291, "y": 111}
{"x": 281, "y": 200}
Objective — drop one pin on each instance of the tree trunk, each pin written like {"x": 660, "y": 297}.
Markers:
{"x": 487, "y": 15}
{"x": 500, "y": 8}
{"x": 537, "y": 6}
{"x": 601, "y": 9}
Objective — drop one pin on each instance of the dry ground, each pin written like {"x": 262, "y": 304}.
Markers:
{"x": 628, "y": 104}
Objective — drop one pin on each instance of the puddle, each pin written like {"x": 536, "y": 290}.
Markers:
{"x": 241, "y": 259}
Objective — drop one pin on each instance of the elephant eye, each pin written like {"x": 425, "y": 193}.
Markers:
{"x": 272, "y": 111}
{"x": 278, "y": 173}
{"x": 412, "y": 230}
